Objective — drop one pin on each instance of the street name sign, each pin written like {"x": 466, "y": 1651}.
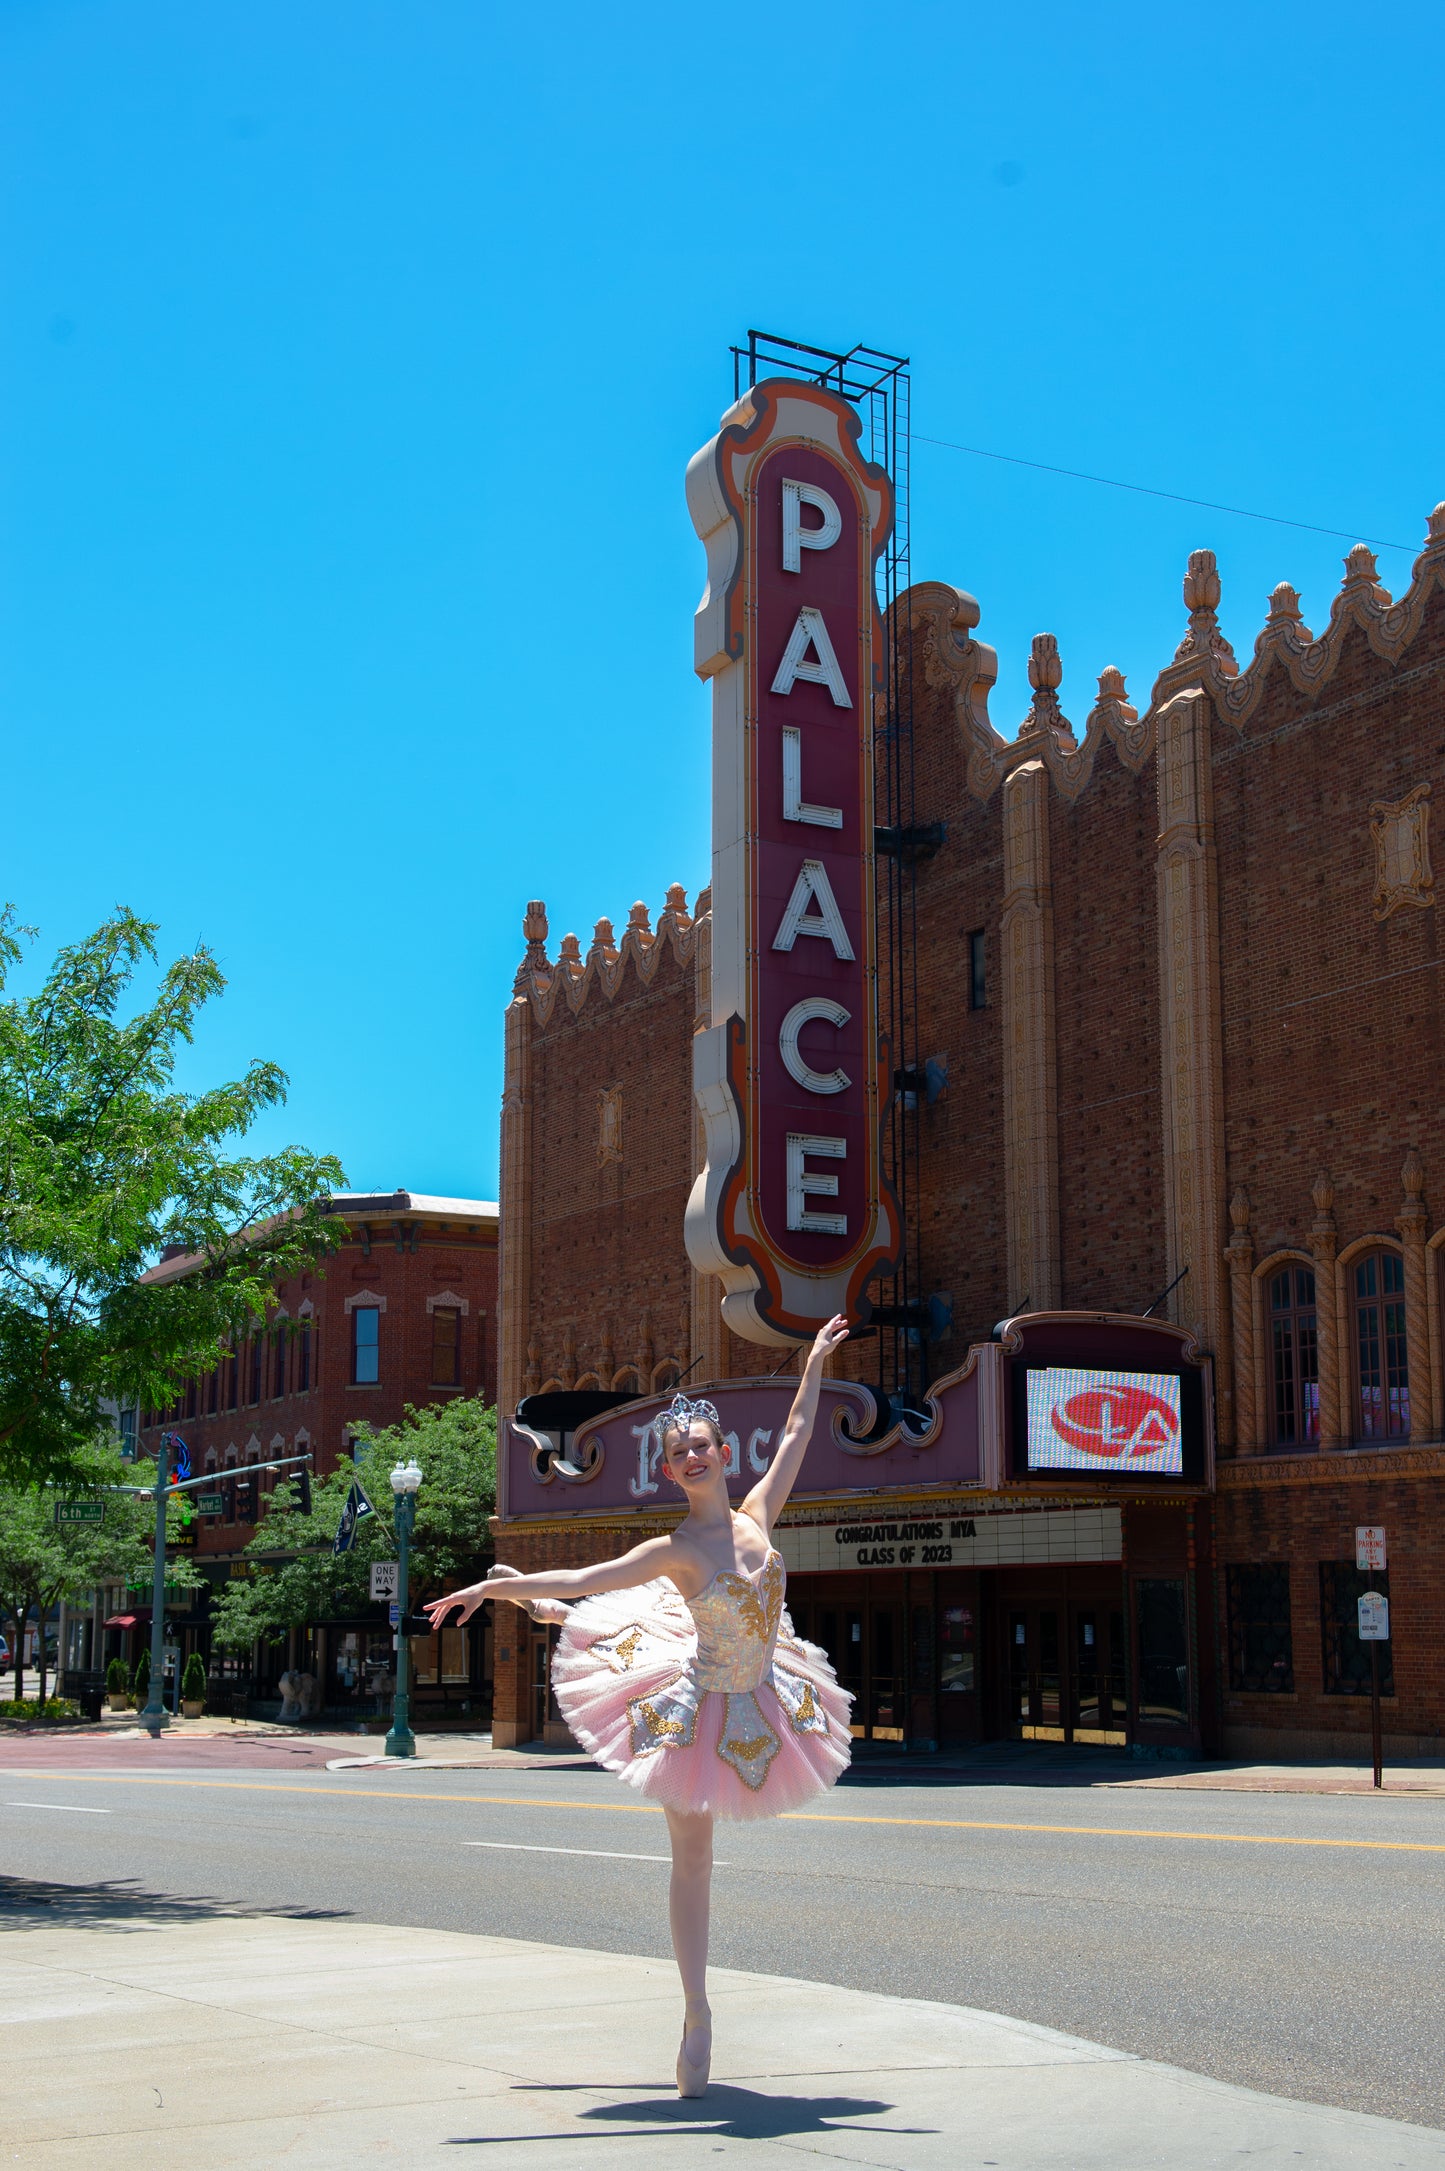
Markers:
{"x": 210, "y": 1504}
{"x": 385, "y": 1578}
{"x": 393, "y": 1614}
{"x": 80, "y": 1511}
{"x": 1370, "y": 1547}
{"x": 1374, "y": 1611}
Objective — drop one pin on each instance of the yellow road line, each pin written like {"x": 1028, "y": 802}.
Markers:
{"x": 798, "y": 1816}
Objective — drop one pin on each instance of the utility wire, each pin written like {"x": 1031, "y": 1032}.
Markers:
{"x": 1142, "y": 490}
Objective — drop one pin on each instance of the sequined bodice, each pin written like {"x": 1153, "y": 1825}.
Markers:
{"x": 737, "y": 1619}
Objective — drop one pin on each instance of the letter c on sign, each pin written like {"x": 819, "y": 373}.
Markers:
{"x": 801, "y": 1014}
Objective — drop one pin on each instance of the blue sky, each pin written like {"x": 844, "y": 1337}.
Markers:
{"x": 351, "y": 355}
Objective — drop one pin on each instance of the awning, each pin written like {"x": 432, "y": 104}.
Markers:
{"x": 120, "y": 1620}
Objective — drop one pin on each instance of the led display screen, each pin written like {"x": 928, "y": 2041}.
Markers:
{"x": 1119, "y": 1424}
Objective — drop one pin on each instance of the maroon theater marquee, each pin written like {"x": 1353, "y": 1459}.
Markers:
{"x": 792, "y": 1211}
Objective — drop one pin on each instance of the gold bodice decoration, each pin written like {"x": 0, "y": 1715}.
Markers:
{"x": 737, "y": 1620}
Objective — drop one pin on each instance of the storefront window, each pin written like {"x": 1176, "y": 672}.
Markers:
{"x": 1346, "y": 1659}
{"x": 441, "y": 1660}
{"x": 1261, "y": 1651}
{"x": 1163, "y": 1652}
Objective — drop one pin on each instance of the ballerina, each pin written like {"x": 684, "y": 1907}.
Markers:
{"x": 680, "y": 1671}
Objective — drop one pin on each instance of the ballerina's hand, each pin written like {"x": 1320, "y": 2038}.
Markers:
{"x": 466, "y": 1601}
{"x": 831, "y": 1336}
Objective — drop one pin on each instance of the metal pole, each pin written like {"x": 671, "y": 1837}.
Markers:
{"x": 1376, "y": 1743}
{"x": 153, "y": 1718}
{"x": 401, "y": 1741}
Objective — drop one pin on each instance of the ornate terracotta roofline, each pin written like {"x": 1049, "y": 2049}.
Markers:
{"x": 951, "y": 658}
{"x": 541, "y": 980}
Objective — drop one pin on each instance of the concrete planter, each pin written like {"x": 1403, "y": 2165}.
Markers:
{"x": 117, "y": 1703}
{"x": 192, "y": 1709}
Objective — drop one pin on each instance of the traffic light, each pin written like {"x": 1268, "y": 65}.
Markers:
{"x": 245, "y": 1497}
{"x": 303, "y": 1489}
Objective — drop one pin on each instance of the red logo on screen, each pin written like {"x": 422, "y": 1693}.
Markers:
{"x": 1115, "y": 1421}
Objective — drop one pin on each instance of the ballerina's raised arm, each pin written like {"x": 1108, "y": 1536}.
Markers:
{"x": 768, "y": 1498}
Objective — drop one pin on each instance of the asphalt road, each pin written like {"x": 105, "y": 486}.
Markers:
{"x": 1288, "y": 1943}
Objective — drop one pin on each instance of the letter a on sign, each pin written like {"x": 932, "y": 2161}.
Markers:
{"x": 792, "y": 1212}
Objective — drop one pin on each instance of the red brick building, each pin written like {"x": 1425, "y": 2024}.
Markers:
{"x": 404, "y": 1311}
{"x": 1181, "y": 967}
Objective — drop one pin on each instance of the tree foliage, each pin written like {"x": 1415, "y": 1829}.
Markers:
{"x": 103, "y": 1163}
{"x": 42, "y": 1561}
{"x": 297, "y": 1580}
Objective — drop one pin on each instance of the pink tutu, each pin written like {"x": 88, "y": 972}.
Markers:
{"x": 714, "y": 1705}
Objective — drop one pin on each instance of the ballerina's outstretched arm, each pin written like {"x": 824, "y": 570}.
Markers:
{"x": 653, "y": 1558}
{"x": 768, "y": 1498}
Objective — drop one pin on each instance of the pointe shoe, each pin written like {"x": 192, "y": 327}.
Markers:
{"x": 692, "y": 2077}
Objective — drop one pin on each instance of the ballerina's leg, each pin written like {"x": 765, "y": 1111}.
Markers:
{"x": 689, "y": 1899}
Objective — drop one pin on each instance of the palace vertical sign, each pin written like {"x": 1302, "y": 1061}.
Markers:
{"x": 792, "y": 1211}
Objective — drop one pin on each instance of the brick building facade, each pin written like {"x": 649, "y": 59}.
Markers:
{"x": 1181, "y": 967}
{"x": 403, "y": 1312}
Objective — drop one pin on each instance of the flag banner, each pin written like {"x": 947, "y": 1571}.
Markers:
{"x": 356, "y": 1506}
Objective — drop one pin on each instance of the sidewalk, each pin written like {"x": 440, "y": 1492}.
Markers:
{"x": 173, "y": 2037}
{"x": 209, "y": 1742}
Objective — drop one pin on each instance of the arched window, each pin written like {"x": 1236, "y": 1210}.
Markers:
{"x": 1382, "y": 1376}
{"x": 1293, "y": 1355}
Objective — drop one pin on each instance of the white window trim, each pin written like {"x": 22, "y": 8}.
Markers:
{"x": 366, "y": 1297}
{"x": 446, "y": 1301}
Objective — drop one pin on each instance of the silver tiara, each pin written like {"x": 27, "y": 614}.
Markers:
{"x": 681, "y": 1411}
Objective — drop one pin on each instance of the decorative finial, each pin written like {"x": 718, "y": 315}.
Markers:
{"x": 675, "y": 913}
{"x": 1113, "y": 694}
{"x": 1046, "y": 675}
{"x": 639, "y": 923}
{"x": 1435, "y": 525}
{"x": 1201, "y": 582}
{"x": 569, "y": 956}
{"x": 1361, "y": 571}
{"x": 603, "y": 947}
{"x": 1322, "y": 1191}
{"x": 1239, "y": 1210}
{"x": 1284, "y": 607}
{"x": 1412, "y": 1176}
{"x": 536, "y": 962}
{"x": 1201, "y": 598}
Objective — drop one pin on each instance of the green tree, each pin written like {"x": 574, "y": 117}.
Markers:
{"x": 42, "y": 1561}
{"x": 297, "y": 1580}
{"x": 103, "y": 1163}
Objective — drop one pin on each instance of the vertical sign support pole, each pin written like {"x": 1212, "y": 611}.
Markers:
{"x": 153, "y": 1718}
{"x": 1376, "y": 1742}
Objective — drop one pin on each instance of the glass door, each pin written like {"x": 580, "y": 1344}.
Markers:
{"x": 865, "y": 1642}
{"x": 1036, "y": 1684}
{"x": 1099, "y": 1706}
{"x": 885, "y": 1674}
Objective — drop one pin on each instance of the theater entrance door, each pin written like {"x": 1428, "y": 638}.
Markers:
{"x": 1064, "y": 1674}
{"x": 864, "y": 1637}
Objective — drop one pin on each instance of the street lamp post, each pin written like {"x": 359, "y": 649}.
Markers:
{"x": 154, "y": 1717}
{"x": 405, "y": 1479}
